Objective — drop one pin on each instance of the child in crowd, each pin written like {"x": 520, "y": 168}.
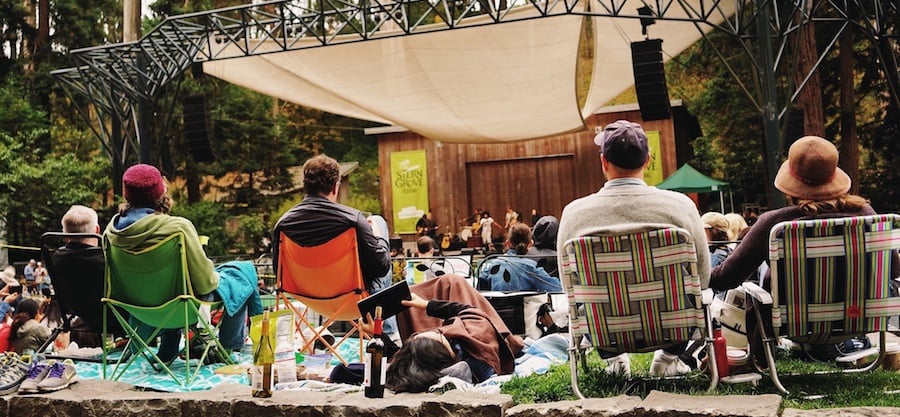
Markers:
{"x": 716, "y": 226}
{"x": 26, "y": 333}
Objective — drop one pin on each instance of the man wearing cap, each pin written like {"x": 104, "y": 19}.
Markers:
{"x": 144, "y": 220}
{"x": 626, "y": 198}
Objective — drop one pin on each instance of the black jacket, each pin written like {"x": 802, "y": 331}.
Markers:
{"x": 317, "y": 220}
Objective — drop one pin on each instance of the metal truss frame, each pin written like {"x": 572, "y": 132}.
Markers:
{"x": 117, "y": 78}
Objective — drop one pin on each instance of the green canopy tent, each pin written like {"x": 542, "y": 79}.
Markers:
{"x": 688, "y": 180}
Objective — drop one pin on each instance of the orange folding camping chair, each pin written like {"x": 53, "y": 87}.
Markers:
{"x": 326, "y": 279}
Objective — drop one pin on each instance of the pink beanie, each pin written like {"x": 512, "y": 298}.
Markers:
{"x": 143, "y": 185}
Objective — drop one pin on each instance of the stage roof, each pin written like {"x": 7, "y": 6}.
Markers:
{"x": 490, "y": 83}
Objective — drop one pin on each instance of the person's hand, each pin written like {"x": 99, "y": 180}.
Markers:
{"x": 11, "y": 298}
{"x": 367, "y": 326}
{"x": 416, "y": 302}
{"x": 5, "y": 291}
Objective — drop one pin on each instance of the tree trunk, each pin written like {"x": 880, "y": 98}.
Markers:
{"x": 42, "y": 39}
{"x": 810, "y": 97}
{"x": 131, "y": 18}
{"x": 849, "y": 145}
{"x": 27, "y": 42}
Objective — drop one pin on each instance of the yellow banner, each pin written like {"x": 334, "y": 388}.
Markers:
{"x": 654, "y": 173}
{"x": 409, "y": 185}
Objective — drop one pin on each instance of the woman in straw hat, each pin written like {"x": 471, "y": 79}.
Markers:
{"x": 814, "y": 187}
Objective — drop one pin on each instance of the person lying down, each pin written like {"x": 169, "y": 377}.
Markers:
{"x": 464, "y": 338}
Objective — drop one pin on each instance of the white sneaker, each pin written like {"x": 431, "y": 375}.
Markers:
{"x": 619, "y": 365}
{"x": 667, "y": 364}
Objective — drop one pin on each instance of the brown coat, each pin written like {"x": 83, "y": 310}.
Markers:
{"x": 479, "y": 329}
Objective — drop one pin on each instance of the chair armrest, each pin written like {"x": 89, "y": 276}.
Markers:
{"x": 707, "y": 296}
{"x": 755, "y": 291}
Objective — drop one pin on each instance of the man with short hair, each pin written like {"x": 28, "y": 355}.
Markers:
{"x": 626, "y": 198}
{"x": 425, "y": 249}
{"x": 320, "y": 218}
{"x": 79, "y": 269}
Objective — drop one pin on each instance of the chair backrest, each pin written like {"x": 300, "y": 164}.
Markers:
{"x": 149, "y": 277}
{"x": 320, "y": 275}
{"x": 831, "y": 277}
{"x": 632, "y": 289}
{"x": 417, "y": 269}
{"x": 77, "y": 273}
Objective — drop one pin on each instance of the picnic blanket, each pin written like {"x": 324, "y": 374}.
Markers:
{"x": 537, "y": 358}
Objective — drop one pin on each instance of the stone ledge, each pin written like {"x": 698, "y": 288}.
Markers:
{"x": 97, "y": 398}
{"x": 843, "y": 412}
{"x": 660, "y": 403}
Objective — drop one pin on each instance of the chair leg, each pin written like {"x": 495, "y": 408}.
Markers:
{"x": 768, "y": 344}
{"x": 573, "y": 369}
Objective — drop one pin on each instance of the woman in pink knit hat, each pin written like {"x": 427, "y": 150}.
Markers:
{"x": 144, "y": 220}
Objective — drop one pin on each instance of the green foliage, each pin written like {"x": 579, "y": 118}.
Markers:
{"x": 38, "y": 187}
{"x": 249, "y": 229}
{"x": 209, "y": 219}
{"x": 732, "y": 147}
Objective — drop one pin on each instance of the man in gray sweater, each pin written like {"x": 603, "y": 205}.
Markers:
{"x": 626, "y": 198}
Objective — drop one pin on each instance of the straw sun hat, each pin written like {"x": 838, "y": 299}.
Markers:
{"x": 811, "y": 171}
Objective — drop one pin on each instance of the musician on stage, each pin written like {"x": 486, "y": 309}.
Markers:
{"x": 426, "y": 226}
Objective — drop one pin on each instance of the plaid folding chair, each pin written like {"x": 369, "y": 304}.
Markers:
{"x": 634, "y": 289}
{"x": 830, "y": 281}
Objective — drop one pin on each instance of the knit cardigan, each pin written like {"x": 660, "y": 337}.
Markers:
{"x": 620, "y": 205}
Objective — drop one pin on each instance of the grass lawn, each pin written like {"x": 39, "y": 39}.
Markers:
{"x": 877, "y": 388}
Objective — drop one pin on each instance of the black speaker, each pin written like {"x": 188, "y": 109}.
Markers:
{"x": 650, "y": 79}
{"x": 197, "y": 135}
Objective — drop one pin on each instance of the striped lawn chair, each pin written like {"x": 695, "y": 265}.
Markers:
{"x": 830, "y": 280}
{"x": 633, "y": 289}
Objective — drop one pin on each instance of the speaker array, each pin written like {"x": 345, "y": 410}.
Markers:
{"x": 197, "y": 135}
{"x": 650, "y": 79}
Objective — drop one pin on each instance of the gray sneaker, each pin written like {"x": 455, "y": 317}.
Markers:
{"x": 36, "y": 374}
{"x": 61, "y": 375}
{"x": 13, "y": 372}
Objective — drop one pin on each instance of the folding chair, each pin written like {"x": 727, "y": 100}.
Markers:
{"x": 327, "y": 279}
{"x": 425, "y": 268}
{"x": 830, "y": 280}
{"x": 634, "y": 289}
{"x": 78, "y": 276}
{"x": 153, "y": 286}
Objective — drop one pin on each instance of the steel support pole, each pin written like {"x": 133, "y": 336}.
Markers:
{"x": 769, "y": 100}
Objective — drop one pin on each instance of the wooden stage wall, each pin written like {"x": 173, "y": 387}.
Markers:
{"x": 544, "y": 174}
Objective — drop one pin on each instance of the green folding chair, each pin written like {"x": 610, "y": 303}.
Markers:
{"x": 153, "y": 286}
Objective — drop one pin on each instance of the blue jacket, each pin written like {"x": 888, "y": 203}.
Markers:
{"x": 516, "y": 273}
{"x": 237, "y": 285}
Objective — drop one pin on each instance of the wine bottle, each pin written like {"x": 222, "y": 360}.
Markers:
{"x": 721, "y": 350}
{"x": 263, "y": 358}
{"x": 376, "y": 363}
